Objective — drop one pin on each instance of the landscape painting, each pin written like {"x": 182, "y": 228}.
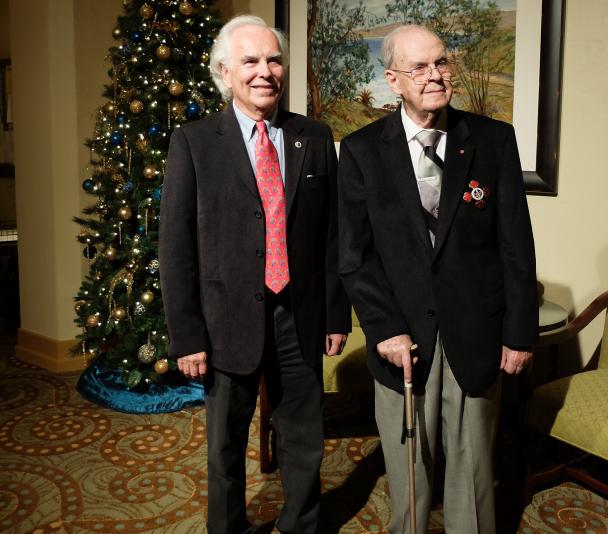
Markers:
{"x": 346, "y": 85}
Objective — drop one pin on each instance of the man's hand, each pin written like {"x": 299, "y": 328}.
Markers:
{"x": 514, "y": 361}
{"x": 397, "y": 350}
{"x": 334, "y": 343}
{"x": 193, "y": 365}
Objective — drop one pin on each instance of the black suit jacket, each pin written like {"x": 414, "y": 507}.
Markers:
{"x": 477, "y": 286}
{"x": 212, "y": 242}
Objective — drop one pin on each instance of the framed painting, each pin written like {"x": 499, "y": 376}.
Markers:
{"x": 507, "y": 56}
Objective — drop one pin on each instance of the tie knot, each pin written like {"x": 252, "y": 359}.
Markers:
{"x": 428, "y": 137}
{"x": 261, "y": 127}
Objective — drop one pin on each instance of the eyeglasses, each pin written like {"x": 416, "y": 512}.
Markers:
{"x": 421, "y": 75}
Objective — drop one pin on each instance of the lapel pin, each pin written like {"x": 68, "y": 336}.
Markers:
{"x": 298, "y": 144}
{"x": 461, "y": 151}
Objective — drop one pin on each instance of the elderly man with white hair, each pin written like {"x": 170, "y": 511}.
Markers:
{"x": 249, "y": 259}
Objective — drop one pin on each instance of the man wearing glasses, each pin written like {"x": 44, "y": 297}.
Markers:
{"x": 436, "y": 249}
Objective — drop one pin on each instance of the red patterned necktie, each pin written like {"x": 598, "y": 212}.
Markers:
{"x": 272, "y": 192}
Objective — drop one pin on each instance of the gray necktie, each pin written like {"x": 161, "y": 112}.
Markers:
{"x": 430, "y": 168}
{"x": 428, "y": 176}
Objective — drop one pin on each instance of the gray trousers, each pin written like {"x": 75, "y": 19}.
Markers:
{"x": 468, "y": 428}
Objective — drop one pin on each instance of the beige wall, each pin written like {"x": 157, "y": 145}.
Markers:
{"x": 46, "y": 144}
{"x": 262, "y": 8}
{"x": 571, "y": 230}
{"x": 92, "y": 38}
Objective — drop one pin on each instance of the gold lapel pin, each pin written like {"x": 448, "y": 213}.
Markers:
{"x": 298, "y": 144}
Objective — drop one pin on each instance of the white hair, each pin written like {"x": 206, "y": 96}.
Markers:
{"x": 387, "y": 52}
{"x": 220, "y": 52}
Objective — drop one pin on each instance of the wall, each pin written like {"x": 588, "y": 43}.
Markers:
{"x": 571, "y": 230}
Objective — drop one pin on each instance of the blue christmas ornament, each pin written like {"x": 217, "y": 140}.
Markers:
{"x": 125, "y": 50}
{"x": 136, "y": 37}
{"x": 116, "y": 138}
{"x": 121, "y": 119}
{"x": 127, "y": 187}
{"x": 141, "y": 230}
{"x": 154, "y": 129}
{"x": 157, "y": 193}
{"x": 193, "y": 110}
{"x": 88, "y": 185}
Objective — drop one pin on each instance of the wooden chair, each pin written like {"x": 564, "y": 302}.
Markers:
{"x": 574, "y": 409}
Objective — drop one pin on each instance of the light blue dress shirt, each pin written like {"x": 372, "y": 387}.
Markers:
{"x": 250, "y": 136}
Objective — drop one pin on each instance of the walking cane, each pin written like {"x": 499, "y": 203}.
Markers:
{"x": 409, "y": 434}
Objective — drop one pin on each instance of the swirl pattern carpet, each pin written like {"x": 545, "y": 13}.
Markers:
{"x": 70, "y": 467}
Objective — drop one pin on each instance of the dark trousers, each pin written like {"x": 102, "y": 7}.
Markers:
{"x": 295, "y": 394}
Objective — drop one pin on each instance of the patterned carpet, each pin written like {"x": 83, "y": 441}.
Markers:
{"x": 68, "y": 466}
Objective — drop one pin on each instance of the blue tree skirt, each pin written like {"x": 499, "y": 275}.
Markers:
{"x": 108, "y": 389}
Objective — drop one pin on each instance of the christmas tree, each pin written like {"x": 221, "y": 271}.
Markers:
{"x": 160, "y": 79}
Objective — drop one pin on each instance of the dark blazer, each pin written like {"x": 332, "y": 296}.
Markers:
{"x": 212, "y": 242}
{"x": 477, "y": 286}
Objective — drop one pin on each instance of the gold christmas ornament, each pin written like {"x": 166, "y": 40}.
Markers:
{"x": 125, "y": 213}
{"x": 142, "y": 145}
{"x": 110, "y": 253}
{"x": 204, "y": 57}
{"x": 146, "y": 11}
{"x": 149, "y": 172}
{"x": 117, "y": 33}
{"x": 119, "y": 313}
{"x": 78, "y": 305}
{"x": 185, "y": 8}
{"x": 147, "y": 297}
{"x": 161, "y": 366}
{"x": 176, "y": 88}
{"x": 109, "y": 107}
{"x": 146, "y": 353}
{"x": 178, "y": 111}
{"x": 93, "y": 321}
{"x": 136, "y": 106}
{"x": 163, "y": 52}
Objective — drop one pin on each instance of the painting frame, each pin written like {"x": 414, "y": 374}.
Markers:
{"x": 543, "y": 179}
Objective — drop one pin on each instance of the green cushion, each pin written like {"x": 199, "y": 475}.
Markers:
{"x": 574, "y": 410}
{"x": 348, "y": 372}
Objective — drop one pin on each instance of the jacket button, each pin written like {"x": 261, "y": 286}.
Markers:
{"x": 259, "y": 253}
{"x": 430, "y": 313}
{"x": 258, "y": 214}
{"x": 259, "y": 297}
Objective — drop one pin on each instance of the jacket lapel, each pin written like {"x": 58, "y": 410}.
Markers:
{"x": 295, "y": 144}
{"x": 229, "y": 128}
{"x": 395, "y": 152}
{"x": 458, "y": 156}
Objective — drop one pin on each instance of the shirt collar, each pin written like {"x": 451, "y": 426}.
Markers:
{"x": 411, "y": 128}
{"x": 247, "y": 124}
